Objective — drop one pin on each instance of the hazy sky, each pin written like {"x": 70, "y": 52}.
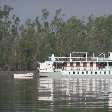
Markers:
{"x": 32, "y": 8}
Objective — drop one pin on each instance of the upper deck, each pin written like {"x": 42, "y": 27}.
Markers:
{"x": 82, "y": 57}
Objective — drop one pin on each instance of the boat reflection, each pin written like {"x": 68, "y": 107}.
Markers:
{"x": 45, "y": 89}
{"x": 83, "y": 93}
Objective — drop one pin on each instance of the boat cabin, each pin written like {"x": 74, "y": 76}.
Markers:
{"x": 77, "y": 61}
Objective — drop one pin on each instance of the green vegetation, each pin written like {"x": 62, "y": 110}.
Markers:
{"x": 21, "y": 46}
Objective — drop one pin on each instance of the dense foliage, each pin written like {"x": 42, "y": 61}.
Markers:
{"x": 22, "y": 46}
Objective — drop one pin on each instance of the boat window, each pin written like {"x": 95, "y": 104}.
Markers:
{"x": 78, "y": 64}
{"x": 54, "y": 64}
{"x": 84, "y": 64}
{"x": 86, "y": 72}
{"x": 97, "y": 64}
{"x": 102, "y": 64}
{"x": 109, "y": 72}
{"x": 58, "y": 65}
{"x": 95, "y": 72}
{"x": 110, "y": 63}
{"x": 71, "y": 64}
{"x": 69, "y": 72}
{"x": 91, "y": 64}
{"x": 77, "y": 72}
{"x": 64, "y": 63}
{"x": 104, "y": 72}
{"x": 73, "y": 72}
{"x": 82, "y": 72}
{"x": 91, "y": 72}
{"x": 105, "y": 63}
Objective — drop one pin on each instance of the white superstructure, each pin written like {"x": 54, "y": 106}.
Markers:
{"x": 78, "y": 63}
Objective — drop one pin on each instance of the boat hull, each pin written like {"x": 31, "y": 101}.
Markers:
{"x": 23, "y": 75}
{"x": 50, "y": 74}
{"x": 59, "y": 74}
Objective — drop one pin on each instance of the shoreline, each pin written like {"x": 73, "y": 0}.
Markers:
{"x": 22, "y": 71}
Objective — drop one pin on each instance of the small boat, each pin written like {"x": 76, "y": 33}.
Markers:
{"x": 23, "y": 75}
{"x": 77, "y": 64}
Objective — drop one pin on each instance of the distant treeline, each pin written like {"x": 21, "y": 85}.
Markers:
{"x": 22, "y": 46}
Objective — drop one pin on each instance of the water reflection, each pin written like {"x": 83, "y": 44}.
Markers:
{"x": 55, "y": 95}
{"x": 24, "y": 94}
{"x": 45, "y": 89}
{"x": 18, "y": 95}
{"x": 6, "y": 95}
{"x": 76, "y": 93}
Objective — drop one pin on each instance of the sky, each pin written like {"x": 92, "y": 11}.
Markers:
{"x": 81, "y": 8}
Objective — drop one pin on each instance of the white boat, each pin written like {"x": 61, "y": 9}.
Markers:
{"x": 23, "y": 75}
{"x": 77, "y": 64}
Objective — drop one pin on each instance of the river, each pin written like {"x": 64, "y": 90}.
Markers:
{"x": 55, "y": 95}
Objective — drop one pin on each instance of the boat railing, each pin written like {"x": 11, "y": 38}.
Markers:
{"x": 80, "y": 56}
{"x": 102, "y": 54}
{"x": 76, "y": 58}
